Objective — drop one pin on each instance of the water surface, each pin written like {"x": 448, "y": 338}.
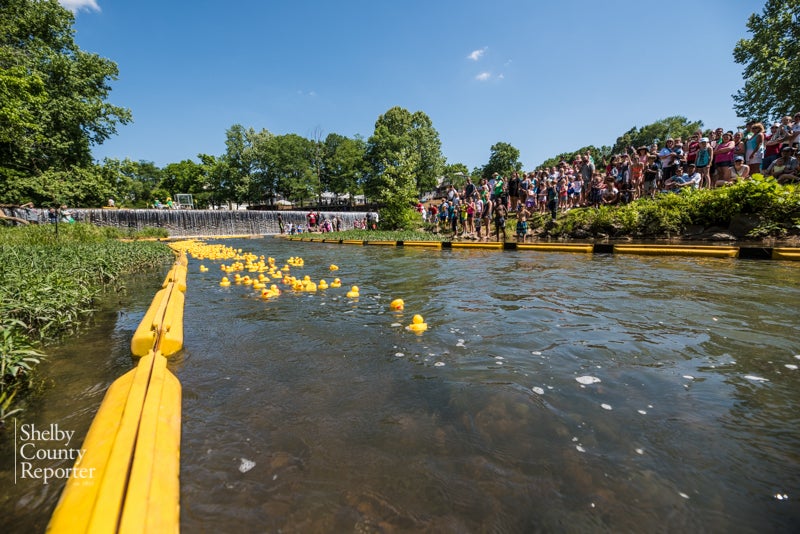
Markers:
{"x": 552, "y": 392}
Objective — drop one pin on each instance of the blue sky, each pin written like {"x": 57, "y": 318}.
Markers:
{"x": 546, "y": 77}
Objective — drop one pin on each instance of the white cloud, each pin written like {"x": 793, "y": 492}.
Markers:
{"x": 475, "y": 55}
{"x": 483, "y": 76}
{"x": 80, "y": 5}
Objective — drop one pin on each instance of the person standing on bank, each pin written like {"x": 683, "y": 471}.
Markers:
{"x": 500, "y": 213}
{"x": 703, "y": 159}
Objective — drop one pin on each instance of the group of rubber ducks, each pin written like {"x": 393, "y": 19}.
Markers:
{"x": 265, "y": 270}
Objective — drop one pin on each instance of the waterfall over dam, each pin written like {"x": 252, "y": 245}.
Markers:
{"x": 183, "y": 223}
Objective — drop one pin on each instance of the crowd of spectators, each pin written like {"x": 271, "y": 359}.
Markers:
{"x": 708, "y": 160}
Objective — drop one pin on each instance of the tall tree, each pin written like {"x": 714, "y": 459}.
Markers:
{"x": 656, "y": 132}
{"x": 59, "y": 89}
{"x": 398, "y": 133}
{"x": 771, "y": 60}
{"x": 291, "y": 168}
{"x": 238, "y": 160}
{"x": 343, "y": 167}
{"x": 504, "y": 159}
{"x": 398, "y": 193}
{"x": 455, "y": 174}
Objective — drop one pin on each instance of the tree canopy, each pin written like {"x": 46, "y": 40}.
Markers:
{"x": 398, "y": 132}
{"x": 503, "y": 160}
{"x": 771, "y": 59}
{"x": 53, "y": 106}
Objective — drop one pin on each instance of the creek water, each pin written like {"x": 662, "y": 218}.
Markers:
{"x": 551, "y": 392}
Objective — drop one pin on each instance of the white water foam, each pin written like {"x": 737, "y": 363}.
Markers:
{"x": 586, "y": 380}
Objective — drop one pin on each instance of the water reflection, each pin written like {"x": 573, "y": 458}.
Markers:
{"x": 317, "y": 413}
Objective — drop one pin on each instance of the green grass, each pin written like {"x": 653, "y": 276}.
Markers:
{"x": 48, "y": 287}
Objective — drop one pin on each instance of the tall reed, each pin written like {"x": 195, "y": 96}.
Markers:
{"x": 49, "y": 284}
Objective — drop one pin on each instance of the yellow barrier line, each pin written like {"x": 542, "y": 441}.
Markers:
{"x": 495, "y": 245}
{"x": 145, "y": 336}
{"x": 74, "y": 509}
{"x": 678, "y": 250}
{"x": 153, "y": 493}
{"x": 382, "y": 243}
{"x": 170, "y": 339}
{"x": 556, "y": 247}
{"x": 110, "y": 496}
{"x": 132, "y": 448}
{"x": 786, "y": 253}
{"x": 352, "y": 242}
{"x": 432, "y": 244}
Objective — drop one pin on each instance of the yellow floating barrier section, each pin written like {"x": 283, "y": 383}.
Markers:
{"x": 784, "y": 253}
{"x": 128, "y": 477}
{"x": 679, "y": 250}
{"x": 711, "y": 251}
{"x": 557, "y": 247}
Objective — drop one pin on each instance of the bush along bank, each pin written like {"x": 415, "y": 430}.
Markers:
{"x": 48, "y": 287}
{"x": 755, "y": 209}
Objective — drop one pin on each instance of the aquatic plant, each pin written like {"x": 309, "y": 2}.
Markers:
{"x": 49, "y": 283}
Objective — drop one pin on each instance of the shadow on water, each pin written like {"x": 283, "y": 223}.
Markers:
{"x": 552, "y": 392}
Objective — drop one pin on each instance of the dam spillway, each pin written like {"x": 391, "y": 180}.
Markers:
{"x": 184, "y": 223}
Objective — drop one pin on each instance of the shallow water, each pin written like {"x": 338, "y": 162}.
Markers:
{"x": 552, "y": 392}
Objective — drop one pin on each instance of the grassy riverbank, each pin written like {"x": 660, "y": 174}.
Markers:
{"x": 48, "y": 286}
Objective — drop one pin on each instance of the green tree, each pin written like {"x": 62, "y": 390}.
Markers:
{"x": 397, "y": 133}
{"x": 290, "y": 166}
{"x": 184, "y": 177}
{"x": 504, "y": 159}
{"x": 216, "y": 173}
{"x": 58, "y": 90}
{"x": 238, "y": 166}
{"x": 398, "y": 193}
{"x": 343, "y": 164}
{"x": 656, "y": 132}
{"x": 771, "y": 60}
{"x": 262, "y": 181}
{"x": 455, "y": 174}
{"x": 597, "y": 155}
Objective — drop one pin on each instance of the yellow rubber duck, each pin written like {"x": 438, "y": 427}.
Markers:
{"x": 224, "y": 282}
{"x": 353, "y": 293}
{"x": 203, "y": 268}
{"x": 334, "y": 267}
{"x": 336, "y": 283}
{"x": 418, "y": 324}
{"x": 397, "y": 305}
{"x": 322, "y": 284}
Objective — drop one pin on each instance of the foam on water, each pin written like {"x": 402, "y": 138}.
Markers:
{"x": 756, "y": 378}
{"x": 586, "y": 380}
{"x": 246, "y": 465}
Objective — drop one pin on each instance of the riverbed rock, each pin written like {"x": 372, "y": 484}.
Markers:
{"x": 743, "y": 224}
